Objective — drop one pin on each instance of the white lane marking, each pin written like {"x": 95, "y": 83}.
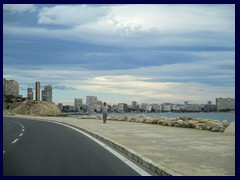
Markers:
{"x": 20, "y": 134}
{"x": 121, "y": 157}
{"x": 3, "y": 152}
{"x": 15, "y": 141}
{"x": 22, "y": 130}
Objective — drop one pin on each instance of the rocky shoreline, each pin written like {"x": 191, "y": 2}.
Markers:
{"x": 183, "y": 122}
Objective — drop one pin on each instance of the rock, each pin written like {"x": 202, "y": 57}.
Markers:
{"x": 202, "y": 121}
{"x": 179, "y": 123}
{"x": 140, "y": 116}
{"x": 201, "y": 126}
{"x": 165, "y": 122}
{"x": 217, "y": 128}
{"x": 160, "y": 121}
{"x": 154, "y": 121}
{"x": 225, "y": 123}
{"x": 192, "y": 123}
{"x": 210, "y": 125}
{"x": 139, "y": 119}
{"x": 186, "y": 125}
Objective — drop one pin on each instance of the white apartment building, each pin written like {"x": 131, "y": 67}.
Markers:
{"x": 91, "y": 102}
{"x": 29, "y": 93}
{"x": 146, "y": 107}
{"x": 78, "y": 103}
{"x": 10, "y": 87}
{"x": 225, "y": 104}
{"x": 47, "y": 93}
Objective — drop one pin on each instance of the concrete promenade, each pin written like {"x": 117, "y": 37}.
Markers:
{"x": 165, "y": 150}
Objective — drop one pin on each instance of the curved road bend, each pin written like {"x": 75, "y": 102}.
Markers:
{"x": 38, "y": 148}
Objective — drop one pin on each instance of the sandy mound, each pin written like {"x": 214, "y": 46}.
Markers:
{"x": 35, "y": 108}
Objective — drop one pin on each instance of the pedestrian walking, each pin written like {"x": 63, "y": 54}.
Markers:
{"x": 104, "y": 111}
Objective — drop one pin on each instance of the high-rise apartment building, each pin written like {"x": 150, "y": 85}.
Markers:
{"x": 78, "y": 103}
{"x": 29, "y": 93}
{"x": 225, "y": 104}
{"x": 37, "y": 91}
{"x": 91, "y": 102}
{"x": 134, "y": 105}
{"x": 47, "y": 93}
{"x": 10, "y": 87}
{"x": 60, "y": 105}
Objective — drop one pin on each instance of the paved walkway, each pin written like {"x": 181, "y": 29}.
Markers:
{"x": 182, "y": 151}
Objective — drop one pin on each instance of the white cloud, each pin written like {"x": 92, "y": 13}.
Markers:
{"x": 70, "y": 14}
{"x": 134, "y": 18}
{"x": 138, "y": 25}
{"x": 18, "y": 8}
{"x": 165, "y": 18}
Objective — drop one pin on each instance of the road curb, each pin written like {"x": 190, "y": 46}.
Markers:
{"x": 138, "y": 158}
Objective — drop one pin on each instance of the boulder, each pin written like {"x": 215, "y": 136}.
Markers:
{"x": 217, "y": 128}
{"x": 179, "y": 123}
{"x": 225, "y": 123}
{"x": 201, "y": 126}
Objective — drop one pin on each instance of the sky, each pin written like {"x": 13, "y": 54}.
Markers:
{"x": 149, "y": 53}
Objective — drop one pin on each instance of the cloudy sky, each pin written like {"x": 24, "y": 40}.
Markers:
{"x": 121, "y": 53}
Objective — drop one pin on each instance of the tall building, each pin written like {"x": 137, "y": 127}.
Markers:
{"x": 99, "y": 106}
{"x": 10, "y": 87}
{"x": 47, "y": 93}
{"x": 37, "y": 91}
{"x": 60, "y": 105}
{"x": 29, "y": 93}
{"x": 78, "y": 104}
{"x": 91, "y": 102}
{"x": 134, "y": 105}
{"x": 225, "y": 104}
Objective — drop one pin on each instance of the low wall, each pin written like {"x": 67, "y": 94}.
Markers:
{"x": 183, "y": 122}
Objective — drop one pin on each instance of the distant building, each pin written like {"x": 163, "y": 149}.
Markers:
{"x": 134, "y": 105}
{"x": 146, "y": 107}
{"x": 177, "y": 107}
{"x": 99, "y": 106}
{"x": 192, "y": 108}
{"x": 10, "y": 87}
{"x": 209, "y": 108}
{"x": 122, "y": 107}
{"x": 60, "y": 105}
{"x": 29, "y": 94}
{"x": 225, "y": 104}
{"x": 78, "y": 104}
{"x": 47, "y": 93}
{"x": 91, "y": 102}
{"x": 68, "y": 108}
{"x": 155, "y": 107}
{"x": 37, "y": 91}
{"x": 166, "y": 107}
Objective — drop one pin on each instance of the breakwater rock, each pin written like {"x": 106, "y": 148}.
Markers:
{"x": 183, "y": 122}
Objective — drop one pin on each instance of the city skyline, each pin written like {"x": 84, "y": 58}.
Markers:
{"x": 122, "y": 53}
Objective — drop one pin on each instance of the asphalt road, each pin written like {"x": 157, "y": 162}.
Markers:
{"x": 38, "y": 148}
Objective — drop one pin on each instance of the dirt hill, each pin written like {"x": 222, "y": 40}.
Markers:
{"x": 36, "y": 108}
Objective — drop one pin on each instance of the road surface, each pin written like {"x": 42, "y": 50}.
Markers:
{"x": 38, "y": 148}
